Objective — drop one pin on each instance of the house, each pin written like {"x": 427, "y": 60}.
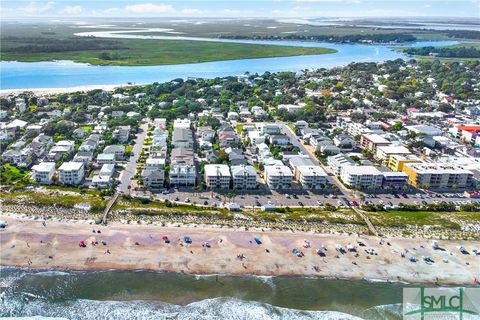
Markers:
{"x": 344, "y": 142}
{"x": 206, "y": 133}
{"x": 104, "y": 178}
{"x": 217, "y": 176}
{"x": 154, "y": 163}
{"x": 43, "y": 172}
{"x": 159, "y": 138}
{"x": 80, "y": 133}
{"x": 21, "y": 105}
{"x": 301, "y": 125}
{"x": 121, "y": 133}
{"x": 311, "y": 177}
{"x": 244, "y": 177}
{"x": 117, "y": 150}
{"x": 61, "y": 148}
{"x": 269, "y": 128}
{"x": 182, "y": 138}
{"x": 182, "y": 124}
{"x": 278, "y": 177}
{"x": 361, "y": 177}
{"x": 20, "y": 158}
{"x": 153, "y": 178}
{"x": 279, "y": 139}
{"x": 71, "y": 173}
{"x": 424, "y": 130}
{"x": 290, "y": 107}
{"x": 106, "y": 158}
{"x": 256, "y": 137}
{"x": 83, "y": 156}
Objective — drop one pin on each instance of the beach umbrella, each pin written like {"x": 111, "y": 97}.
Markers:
{"x": 165, "y": 238}
{"x": 187, "y": 239}
{"x": 295, "y": 251}
{"x": 257, "y": 240}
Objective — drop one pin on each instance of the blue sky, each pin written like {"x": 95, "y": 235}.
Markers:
{"x": 245, "y": 8}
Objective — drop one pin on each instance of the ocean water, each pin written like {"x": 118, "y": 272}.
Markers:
{"x": 150, "y": 295}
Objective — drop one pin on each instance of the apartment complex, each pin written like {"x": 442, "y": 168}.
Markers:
{"x": 311, "y": 177}
{"x": 278, "y": 177}
{"x": 43, "y": 172}
{"x": 438, "y": 175}
{"x": 244, "y": 177}
{"x": 361, "y": 177}
{"x": 71, "y": 173}
{"x": 372, "y": 141}
{"x": 217, "y": 176}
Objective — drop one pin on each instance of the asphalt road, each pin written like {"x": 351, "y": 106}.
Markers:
{"x": 129, "y": 172}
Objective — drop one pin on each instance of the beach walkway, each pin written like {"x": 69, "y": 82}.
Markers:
{"x": 108, "y": 207}
{"x": 367, "y": 221}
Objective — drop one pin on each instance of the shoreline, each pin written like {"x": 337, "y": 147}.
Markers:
{"x": 29, "y": 244}
{"x": 50, "y": 91}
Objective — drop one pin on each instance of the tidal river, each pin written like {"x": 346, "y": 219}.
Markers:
{"x": 150, "y": 295}
{"x": 64, "y": 74}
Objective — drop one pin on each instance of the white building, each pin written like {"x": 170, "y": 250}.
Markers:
{"x": 217, "y": 176}
{"x": 181, "y": 124}
{"x": 43, "y": 172}
{"x": 278, "y": 177}
{"x": 244, "y": 177}
{"x": 256, "y": 137}
{"x": 337, "y": 162}
{"x": 385, "y": 152}
{"x": 71, "y": 173}
{"x": 361, "y": 177}
{"x": 182, "y": 175}
{"x": 311, "y": 177}
{"x": 104, "y": 177}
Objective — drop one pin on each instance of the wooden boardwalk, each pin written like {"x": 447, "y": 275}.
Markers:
{"x": 108, "y": 207}
{"x": 367, "y": 221}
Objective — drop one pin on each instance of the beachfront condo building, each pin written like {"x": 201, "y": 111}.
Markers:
{"x": 244, "y": 177}
{"x": 397, "y": 162}
{"x": 311, "y": 177}
{"x": 438, "y": 175}
{"x": 71, "y": 173}
{"x": 278, "y": 177}
{"x": 43, "y": 172}
{"x": 183, "y": 175}
{"x": 217, "y": 176}
{"x": 361, "y": 177}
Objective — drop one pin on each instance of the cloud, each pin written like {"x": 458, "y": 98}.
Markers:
{"x": 71, "y": 10}
{"x": 194, "y": 11}
{"x": 149, "y": 8}
{"x": 37, "y": 8}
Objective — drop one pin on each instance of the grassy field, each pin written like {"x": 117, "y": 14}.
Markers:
{"x": 162, "y": 52}
{"x": 399, "y": 218}
{"x": 10, "y": 175}
{"x": 48, "y": 43}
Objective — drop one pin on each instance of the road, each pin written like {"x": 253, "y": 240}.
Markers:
{"x": 295, "y": 141}
{"x": 129, "y": 172}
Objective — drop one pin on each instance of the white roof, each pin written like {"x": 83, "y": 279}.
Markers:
{"x": 278, "y": 170}
{"x": 438, "y": 168}
{"x": 71, "y": 166}
{"x": 375, "y": 138}
{"x": 394, "y": 149}
{"x": 243, "y": 169}
{"x": 44, "y": 167}
{"x": 217, "y": 170}
{"x": 311, "y": 171}
{"x": 17, "y": 123}
{"x": 361, "y": 170}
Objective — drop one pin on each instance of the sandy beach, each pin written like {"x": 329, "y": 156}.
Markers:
{"x": 55, "y": 245}
{"x": 50, "y": 91}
